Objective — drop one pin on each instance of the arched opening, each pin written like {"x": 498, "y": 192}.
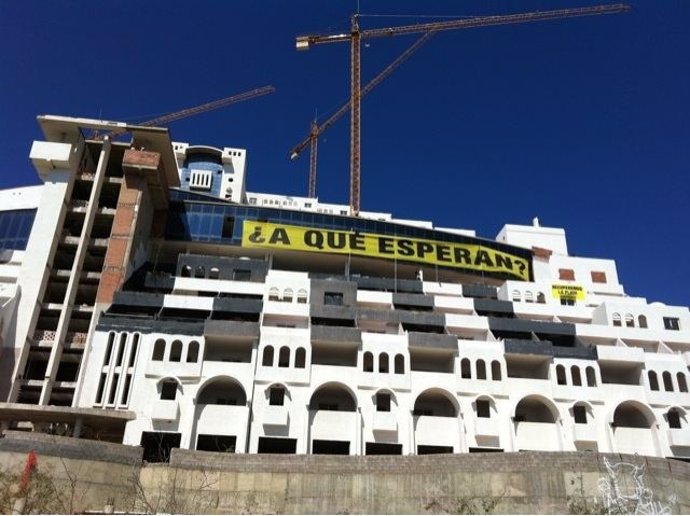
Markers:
{"x": 653, "y": 381}
{"x": 267, "y": 359}
{"x": 300, "y": 358}
{"x": 465, "y": 371}
{"x": 334, "y": 397}
{"x": 629, "y": 415}
{"x": 287, "y": 295}
{"x": 541, "y": 298}
{"x": 560, "y": 375}
{"x": 536, "y": 425}
{"x": 284, "y": 357}
{"x": 200, "y": 271}
{"x": 302, "y": 296}
{"x": 193, "y": 351}
{"x": 167, "y": 389}
{"x": 383, "y": 401}
{"x": 528, "y": 297}
{"x": 399, "y": 364}
{"x": 591, "y": 377}
{"x": 581, "y": 414}
{"x": 483, "y": 406}
{"x": 642, "y": 321}
{"x": 534, "y": 410}
{"x": 276, "y": 395}
{"x": 629, "y": 321}
{"x": 368, "y": 362}
{"x": 222, "y": 391}
{"x": 616, "y": 318}
{"x": 158, "y": 350}
{"x": 435, "y": 402}
{"x": 496, "y": 370}
{"x": 481, "y": 370}
{"x": 383, "y": 363}
{"x": 632, "y": 426}
{"x": 668, "y": 381}
{"x": 214, "y": 273}
{"x": 516, "y": 296}
{"x": 682, "y": 382}
{"x": 186, "y": 271}
{"x": 675, "y": 419}
{"x": 176, "y": 351}
{"x": 575, "y": 374}
{"x": 273, "y": 294}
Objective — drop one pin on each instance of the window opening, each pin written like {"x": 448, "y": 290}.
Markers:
{"x": 333, "y": 298}
{"x": 284, "y": 357}
{"x": 668, "y": 381}
{"x": 268, "y": 356}
{"x": 672, "y": 323}
{"x": 575, "y": 373}
{"x": 560, "y": 375}
{"x": 168, "y": 390}
{"x": 580, "y": 414}
{"x": 300, "y": 358}
{"x": 176, "y": 351}
{"x": 193, "y": 351}
{"x": 383, "y": 402}
{"x": 368, "y": 362}
{"x": 483, "y": 408}
{"x": 496, "y": 370}
{"x": 481, "y": 370}
{"x": 399, "y": 364}
{"x": 673, "y": 418}
{"x": 158, "y": 350}
{"x": 653, "y": 382}
{"x": 276, "y": 396}
{"x": 383, "y": 363}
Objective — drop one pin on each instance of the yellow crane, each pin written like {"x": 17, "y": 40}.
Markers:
{"x": 317, "y": 130}
{"x": 356, "y": 35}
{"x": 209, "y": 106}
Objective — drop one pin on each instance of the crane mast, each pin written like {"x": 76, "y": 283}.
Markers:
{"x": 356, "y": 35}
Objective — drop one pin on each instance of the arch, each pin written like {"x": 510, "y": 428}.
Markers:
{"x": 267, "y": 358}
{"x": 186, "y": 271}
{"x": 676, "y": 418}
{"x": 560, "y": 375}
{"x": 632, "y": 414}
{"x": 642, "y": 321}
{"x": 653, "y": 381}
{"x": 200, "y": 271}
{"x": 383, "y": 363}
{"x": 302, "y": 296}
{"x": 368, "y": 362}
{"x": 481, "y": 370}
{"x": 287, "y": 295}
{"x": 535, "y": 408}
{"x": 575, "y": 375}
{"x": 591, "y": 376}
{"x": 529, "y": 298}
{"x": 399, "y": 364}
{"x": 221, "y": 390}
{"x": 300, "y": 358}
{"x": 384, "y": 400}
{"x": 175, "y": 351}
{"x": 582, "y": 415}
{"x": 134, "y": 350}
{"x": 214, "y": 273}
{"x": 616, "y": 318}
{"x": 682, "y": 382}
{"x": 193, "y": 351}
{"x": 516, "y": 296}
{"x": 496, "y": 371}
{"x": 541, "y": 298}
{"x": 158, "y": 350}
{"x": 275, "y": 398}
{"x": 333, "y": 396}
{"x": 436, "y": 402}
{"x": 273, "y": 294}
{"x": 484, "y": 405}
{"x": 629, "y": 321}
{"x": 168, "y": 388}
{"x": 465, "y": 370}
{"x": 284, "y": 357}
{"x": 668, "y": 381}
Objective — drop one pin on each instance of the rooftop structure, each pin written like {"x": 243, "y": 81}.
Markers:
{"x": 147, "y": 298}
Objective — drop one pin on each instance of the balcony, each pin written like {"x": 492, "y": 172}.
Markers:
{"x": 436, "y": 431}
{"x": 485, "y": 428}
{"x": 334, "y": 425}
{"x": 165, "y": 410}
{"x": 275, "y": 416}
{"x": 678, "y": 437}
{"x": 584, "y": 433}
{"x": 384, "y": 422}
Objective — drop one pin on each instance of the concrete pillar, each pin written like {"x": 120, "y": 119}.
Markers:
{"x": 78, "y": 424}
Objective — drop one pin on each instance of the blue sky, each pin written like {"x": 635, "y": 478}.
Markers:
{"x": 584, "y": 123}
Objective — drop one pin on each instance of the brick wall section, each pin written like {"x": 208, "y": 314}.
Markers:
{"x": 121, "y": 236}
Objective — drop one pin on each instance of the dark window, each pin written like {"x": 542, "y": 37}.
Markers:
{"x": 495, "y": 370}
{"x": 121, "y": 349}
{"x": 113, "y": 389}
{"x": 158, "y": 350}
{"x": 483, "y": 408}
{"x": 300, "y": 358}
{"x": 133, "y": 352}
{"x": 481, "y": 370}
{"x": 109, "y": 348}
{"x": 668, "y": 382}
{"x": 682, "y": 383}
{"x": 566, "y": 301}
{"x": 560, "y": 375}
{"x": 330, "y": 447}
{"x": 267, "y": 359}
{"x": 284, "y": 357}
{"x": 465, "y": 368}
{"x": 228, "y": 227}
{"x": 575, "y": 373}
{"x": 383, "y": 449}
{"x": 277, "y": 445}
{"x": 383, "y": 363}
{"x": 216, "y": 443}
{"x": 383, "y": 402}
{"x": 241, "y": 275}
{"x": 176, "y": 351}
{"x": 671, "y": 323}
{"x": 653, "y": 381}
{"x": 157, "y": 445}
{"x": 368, "y": 362}
{"x": 15, "y": 227}
{"x": 125, "y": 390}
{"x": 399, "y": 364}
{"x": 591, "y": 377}
{"x": 333, "y": 298}
{"x": 429, "y": 450}
{"x": 193, "y": 351}
{"x": 673, "y": 417}
{"x": 168, "y": 390}
{"x": 276, "y": 396}
{"x": 99, "y": 391}
{"x": 580, "y": 414}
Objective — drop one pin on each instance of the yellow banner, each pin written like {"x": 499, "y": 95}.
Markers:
{"x": 568, "y": 292}
{"x": 475, "y": 257}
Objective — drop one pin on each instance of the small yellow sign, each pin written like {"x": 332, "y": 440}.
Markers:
{"x": 574, "y": 292}
{"x": 476, "y": 257}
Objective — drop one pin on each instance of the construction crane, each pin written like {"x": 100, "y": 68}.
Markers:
{"x": 356, "y": 35}
{"x": 317, "y": 130}
{"x": 184, "y": 113}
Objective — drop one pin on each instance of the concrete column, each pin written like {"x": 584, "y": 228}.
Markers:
{"x": 73, "y": 282}
{"x": 78, "y": 424}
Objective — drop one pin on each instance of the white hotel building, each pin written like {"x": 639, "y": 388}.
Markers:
{"x": 134, "y": 308}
